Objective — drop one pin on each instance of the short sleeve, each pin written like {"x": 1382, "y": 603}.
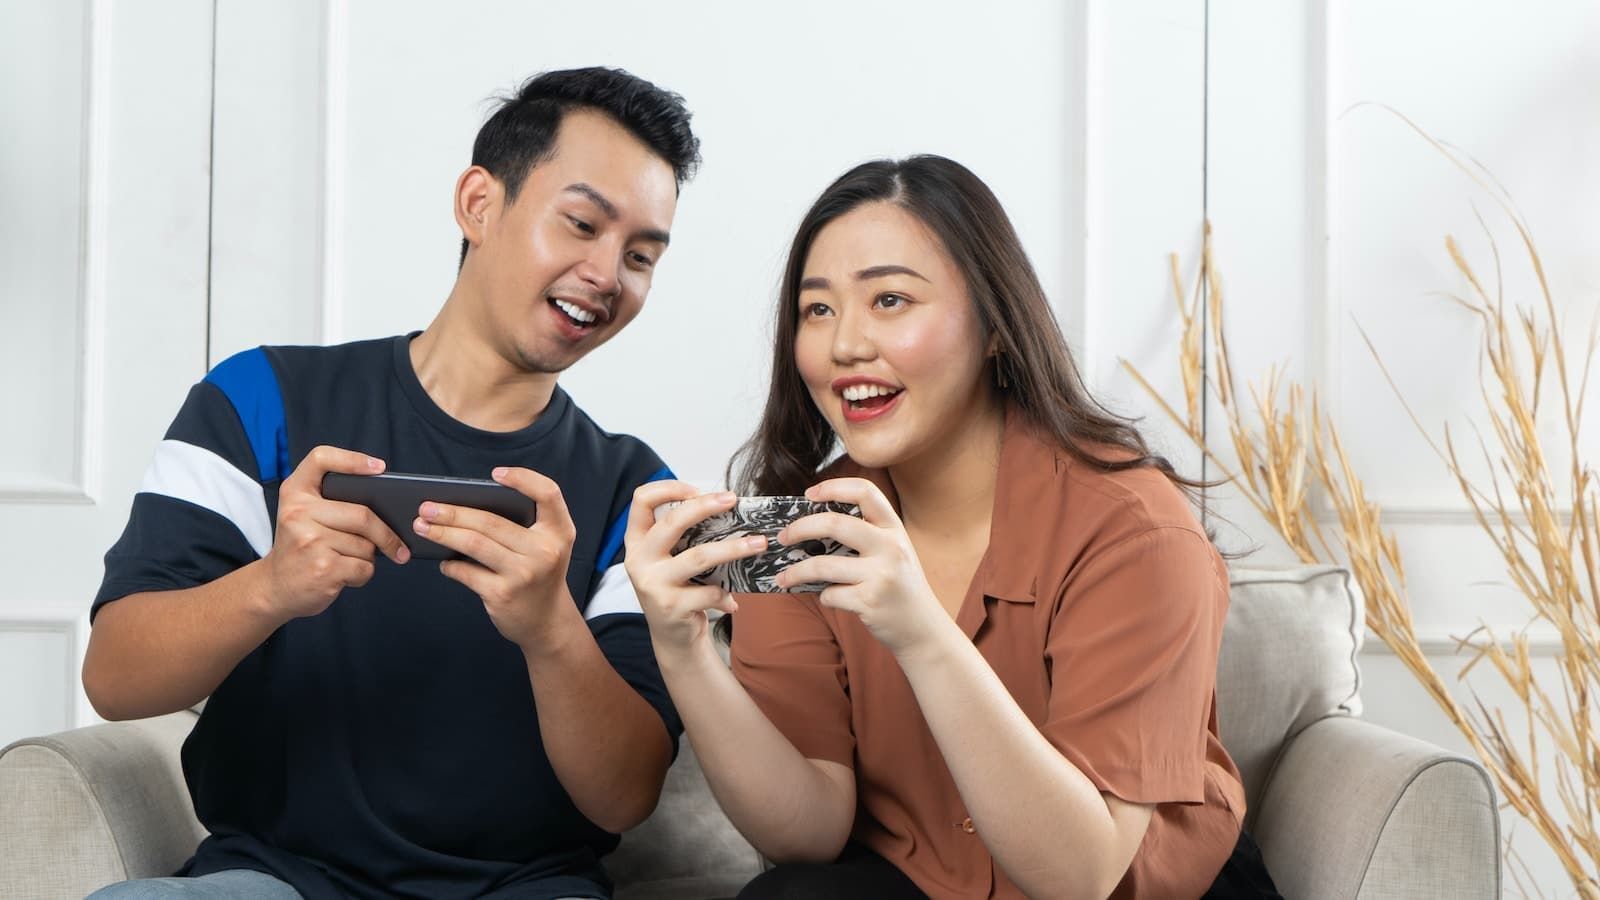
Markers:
{"x": 205, "y": 506}
{"x": 791, "y": 664}
{"x": 1132, "y": 657}
{"x": 625, "y": 642}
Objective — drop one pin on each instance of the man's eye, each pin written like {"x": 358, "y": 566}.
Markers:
{"x": 581, "y": 225}
{"x": 642, "y": 261}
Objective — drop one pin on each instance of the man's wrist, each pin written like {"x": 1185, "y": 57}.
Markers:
{"x": 256, "y": 596}
{"x": 559, "y": 631}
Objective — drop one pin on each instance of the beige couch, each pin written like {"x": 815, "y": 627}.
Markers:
{"x": 1341, "y": 808}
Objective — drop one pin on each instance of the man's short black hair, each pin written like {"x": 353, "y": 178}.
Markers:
{"x": 522, "y": 132}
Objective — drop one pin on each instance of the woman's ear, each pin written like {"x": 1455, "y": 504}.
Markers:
{"x": 477, "y": 194}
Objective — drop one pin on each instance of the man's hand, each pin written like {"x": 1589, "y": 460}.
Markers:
{"x": 324, "y": 546}
{"x": 520, "y": 573}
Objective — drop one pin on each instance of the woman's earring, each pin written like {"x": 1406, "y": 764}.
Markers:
{"x": 1000, "y": 379}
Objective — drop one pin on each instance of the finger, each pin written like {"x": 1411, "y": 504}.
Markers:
{"x": 474, "y": 577}
{"x": 497, "y": 528}
{"x": 324, "y": 459}
{"x": 700, "y": 598}
{"x": 353, "y": 546}
{"x": 353, "y": 518}
{"x": 842, "y": 596}
{"x": 829, "y": 569}
{"x": 355, "y": 572}
{"x": 545, "y": 494}
{"x": 475, "y": 544}
{"x": 646, "y": 497}
{"x": 847, "y": 530}
{"x": 704, "y": 557}
{"x": 875, "y": 507}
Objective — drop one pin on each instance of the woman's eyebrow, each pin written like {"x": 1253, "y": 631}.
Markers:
{"x": 818, "y": 283}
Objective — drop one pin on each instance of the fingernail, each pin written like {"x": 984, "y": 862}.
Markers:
{"x": 403, "y": 556}
{"x": 755, "y": 542}
{"x": 725, "y": 497}
{"x": 499, "y": 473}
{"x": 429, "y": 510}
{"x": 374, "y": 463}
{"x": 419, "y": 526}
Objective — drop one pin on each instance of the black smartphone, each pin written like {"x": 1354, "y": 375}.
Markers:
{"x": 395, "y": 497}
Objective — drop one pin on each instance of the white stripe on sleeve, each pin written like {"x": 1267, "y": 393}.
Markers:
{"x": 187, "y": 472}
{"x": 614, "y": 595}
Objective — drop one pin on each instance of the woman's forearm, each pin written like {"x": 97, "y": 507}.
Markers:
{"x": 791, "y": 808}
{"x": 1044, "y": 821}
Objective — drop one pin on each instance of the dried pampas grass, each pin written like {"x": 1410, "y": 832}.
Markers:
{"x": 1544, "y": 522}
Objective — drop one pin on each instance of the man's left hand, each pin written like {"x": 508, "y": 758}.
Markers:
{"x": 520, "y": 573}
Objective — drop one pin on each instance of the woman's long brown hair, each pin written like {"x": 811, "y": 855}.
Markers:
{"x": 793, "y": 440}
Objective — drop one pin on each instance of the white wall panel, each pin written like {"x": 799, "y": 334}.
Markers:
{"x": 44, "y": 341}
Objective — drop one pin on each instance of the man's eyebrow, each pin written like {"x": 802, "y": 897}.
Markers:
{"x": 595, "y": 197}
{"x": 610, "y": 210}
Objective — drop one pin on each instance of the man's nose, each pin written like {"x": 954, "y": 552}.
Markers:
{"x": 600, "y": 269}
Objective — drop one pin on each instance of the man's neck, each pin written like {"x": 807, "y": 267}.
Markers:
{"x": 470, "y": 379}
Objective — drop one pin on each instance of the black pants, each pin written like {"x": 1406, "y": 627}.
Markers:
{"x": 858, "y": 872}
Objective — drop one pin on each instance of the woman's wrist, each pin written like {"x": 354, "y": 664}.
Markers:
{"x": 686, "y": 660}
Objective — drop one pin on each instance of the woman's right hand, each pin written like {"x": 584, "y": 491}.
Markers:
{"x": 674, "y": 607}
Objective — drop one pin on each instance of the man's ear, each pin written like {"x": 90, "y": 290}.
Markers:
{"x": 478, "y": 193}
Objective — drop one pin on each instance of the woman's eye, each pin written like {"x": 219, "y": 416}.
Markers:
{"x": 891, "y": 301}
{"x": 815, "y": 310}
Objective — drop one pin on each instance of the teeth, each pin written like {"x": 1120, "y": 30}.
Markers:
{"x": 577, "y": 313}
{"x": 857, "y": 392}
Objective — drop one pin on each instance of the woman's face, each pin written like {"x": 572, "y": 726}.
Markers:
{"x": 888, "y": 342}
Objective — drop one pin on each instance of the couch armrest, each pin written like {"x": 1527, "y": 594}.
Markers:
{"x": 1354, "y": 810}
{"x": 84, "y": 808}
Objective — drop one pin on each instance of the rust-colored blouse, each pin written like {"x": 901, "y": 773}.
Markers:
{"x": 1099, "y": 603}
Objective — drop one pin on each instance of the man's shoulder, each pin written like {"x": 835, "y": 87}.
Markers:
{"x": 614, "y": 445}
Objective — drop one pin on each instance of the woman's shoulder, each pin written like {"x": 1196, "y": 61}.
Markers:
{"x": 1107, "y": 503}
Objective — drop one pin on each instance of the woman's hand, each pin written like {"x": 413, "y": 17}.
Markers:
{"x": 885, "y": 584}
{"x": 675, "y": 608}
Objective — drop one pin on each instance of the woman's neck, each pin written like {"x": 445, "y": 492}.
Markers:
{"x": 948, "y": 491}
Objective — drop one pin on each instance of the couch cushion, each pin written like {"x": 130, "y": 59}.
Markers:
{"x": 687, "y": 848}
{"x": 1289, "y": 649}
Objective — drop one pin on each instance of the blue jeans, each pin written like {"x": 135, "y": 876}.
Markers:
{"x": 232, "y": 884}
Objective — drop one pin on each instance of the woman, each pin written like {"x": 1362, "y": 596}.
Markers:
{"x": 1010, "y": 690}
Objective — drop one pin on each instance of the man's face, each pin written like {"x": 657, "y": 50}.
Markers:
{"x": 568, "y": 263}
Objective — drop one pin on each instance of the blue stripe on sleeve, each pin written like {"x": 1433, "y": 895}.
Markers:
{"x": 613, "y": 541}
{"x": 249, "y": 383}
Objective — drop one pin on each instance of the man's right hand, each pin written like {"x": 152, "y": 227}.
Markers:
{"x": 324, "y": 546}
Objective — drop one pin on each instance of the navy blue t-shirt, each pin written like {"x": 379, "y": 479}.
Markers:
{"x": 388, "y": 746}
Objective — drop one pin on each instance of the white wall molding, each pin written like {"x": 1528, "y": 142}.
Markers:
{"x": 73, "y": 627}
{"x": 83, "y": 485}
{"x": 1445, "y": 642}
{"x": 335, "y": 131}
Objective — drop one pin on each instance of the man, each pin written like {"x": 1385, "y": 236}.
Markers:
{"x": 382, "y": 726}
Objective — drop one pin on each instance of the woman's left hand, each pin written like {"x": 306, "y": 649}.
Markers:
{"x": 885, "y": 584}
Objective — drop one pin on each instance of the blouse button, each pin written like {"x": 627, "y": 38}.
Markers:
{"x": 968, "y": 827}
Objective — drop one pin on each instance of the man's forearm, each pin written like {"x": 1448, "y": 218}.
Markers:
{"x": 606, "y": 743}
{"x": 158, "y": 652}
